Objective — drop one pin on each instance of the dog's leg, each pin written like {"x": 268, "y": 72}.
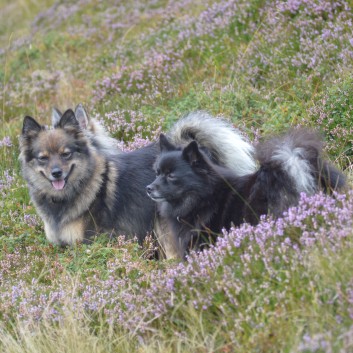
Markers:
{"x": 170, "y": 246}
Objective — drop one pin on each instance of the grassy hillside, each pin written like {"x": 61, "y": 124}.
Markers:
{"x": 283, "y": 286}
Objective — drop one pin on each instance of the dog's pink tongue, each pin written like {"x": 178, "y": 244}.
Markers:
{"x": 58, "y": 184}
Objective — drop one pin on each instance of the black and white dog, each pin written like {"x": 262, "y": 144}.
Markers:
{"x": 196, "y": 197}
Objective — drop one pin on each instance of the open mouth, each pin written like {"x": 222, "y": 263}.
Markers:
{"x": 60, "y": 184}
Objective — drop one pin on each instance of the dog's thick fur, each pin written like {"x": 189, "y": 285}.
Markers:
{"x": 82, "y": 185}
{"x": 223, "y": 143}
{"x": 92, "y": 129}
{"x": 196, "y": 197}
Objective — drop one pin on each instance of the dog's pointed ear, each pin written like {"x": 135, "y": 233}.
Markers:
{"x": 165, "y": 145}
{"x": 30, "y": 126}
{"x": 69, "y": 121}
{"x": 55, "y": 117}
{"x": 192, "y": 154}
{"x": 82, "y": 116}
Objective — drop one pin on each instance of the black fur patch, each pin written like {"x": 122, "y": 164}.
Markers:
{"x": 196, "y": 198}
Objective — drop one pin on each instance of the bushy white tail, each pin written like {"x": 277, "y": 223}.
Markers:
{"x": 225, "y": 143}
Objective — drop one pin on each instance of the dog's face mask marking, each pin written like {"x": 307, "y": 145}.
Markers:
{"x": 55, "y": 163}
{"x": 57, "y": 158}
{"x": 181, "y": 176}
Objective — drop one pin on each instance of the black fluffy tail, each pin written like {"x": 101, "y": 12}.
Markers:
{"x": 299, "y": 154}
{"x": 290, "y": 165}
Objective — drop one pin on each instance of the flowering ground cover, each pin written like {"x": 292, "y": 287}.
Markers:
{"x": 282, "y": 286}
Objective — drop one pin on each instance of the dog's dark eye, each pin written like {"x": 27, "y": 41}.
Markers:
{"x": 66, "y": 155}
{"x": 42, "y": 159}
{"x": 170, "y": 176}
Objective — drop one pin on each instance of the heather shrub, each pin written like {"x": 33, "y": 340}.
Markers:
{"x": 333, "y": 114}
{"x": 132, "y": 127}
{"x": 300, "y": 40}
{"x": 246, "y": 283}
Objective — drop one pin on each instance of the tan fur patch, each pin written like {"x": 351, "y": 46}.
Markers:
{"x": 111, "y": 184}
{"x": 167, "y": 241}
{"x": 70, "y": 233}
{"x": 53, "y": 140}
{"x": 73, "y": 232}
{"x": 89, "y": 192}
{"x": 51, "y": 234}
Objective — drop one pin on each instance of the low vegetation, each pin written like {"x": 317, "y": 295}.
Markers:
{"x": 282, "y": 286}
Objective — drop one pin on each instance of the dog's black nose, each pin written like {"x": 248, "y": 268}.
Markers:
{"x": 148, "y": 189}
{"x": 56, "y": 173}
